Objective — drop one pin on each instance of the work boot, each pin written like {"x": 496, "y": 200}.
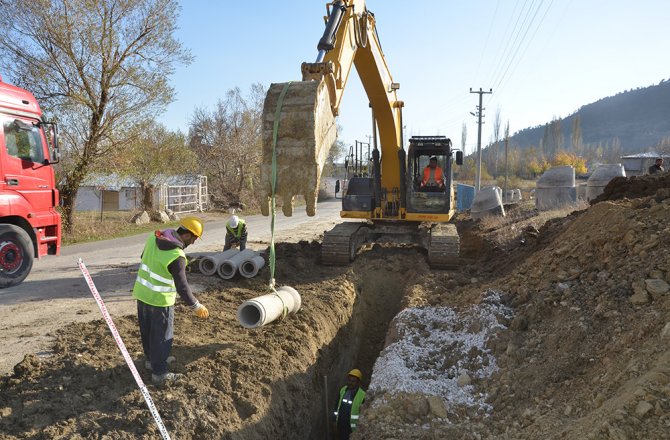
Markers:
{"x": 167, "y": 378}
{"x": 147, "y": 364}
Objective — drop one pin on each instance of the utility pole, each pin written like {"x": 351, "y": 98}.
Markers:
{"x": 479, "y": 136}
{"x": 506, "y": 151}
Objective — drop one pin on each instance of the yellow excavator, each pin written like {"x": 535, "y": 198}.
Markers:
{"x": 408, "y": 198}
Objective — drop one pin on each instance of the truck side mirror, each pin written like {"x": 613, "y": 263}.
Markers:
{"x": 459, "y": 158}
{"x": 337, "y": 186}
{"x": 53, "y": 141}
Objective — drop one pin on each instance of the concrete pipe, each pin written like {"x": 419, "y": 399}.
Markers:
{"x": 264, "y": 309}
{"x": 249, "y": 268}
{"x": 228, "y": 267}
{"x": 210, "y": 263}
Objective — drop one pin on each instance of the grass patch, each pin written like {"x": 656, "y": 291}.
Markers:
{"x": 88, "y": 226}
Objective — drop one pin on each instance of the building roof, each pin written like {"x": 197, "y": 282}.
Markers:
{"x": 647, "y": 155}
{"x": 115, "y": 182}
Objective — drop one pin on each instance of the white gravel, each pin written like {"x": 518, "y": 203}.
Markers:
{"x": 436, "y": 346}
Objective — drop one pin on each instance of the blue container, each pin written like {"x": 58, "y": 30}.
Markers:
{"x": 465, "y": 194}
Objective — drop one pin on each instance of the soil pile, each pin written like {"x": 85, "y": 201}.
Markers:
{"x": 657, "y": 185}
{"x": 583, "y": 352}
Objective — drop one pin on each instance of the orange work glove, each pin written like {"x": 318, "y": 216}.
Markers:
{"x": 201, "y": 311}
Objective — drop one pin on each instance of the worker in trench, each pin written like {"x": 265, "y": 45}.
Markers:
{"x": 236, "y": 233}
{"x": 348, "y": 406}
{"x": 161, "y": 275}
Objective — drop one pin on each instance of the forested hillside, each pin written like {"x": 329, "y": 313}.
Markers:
{"x": 631, "y": 121}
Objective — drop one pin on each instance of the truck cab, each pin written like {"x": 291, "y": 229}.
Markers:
{"x": 30, "y": 225}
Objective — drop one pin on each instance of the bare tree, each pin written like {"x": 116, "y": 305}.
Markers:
{"x": 227, "y": 141}
{"x": 576, "y": 139}
{"x": 154, "y": 155}
{"x": 496, "y": 138}
{"x": 464, "y": 137}
{"x": 99, "y": 67}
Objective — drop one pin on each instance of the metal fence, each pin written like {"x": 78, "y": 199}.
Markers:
{"x": 190, "y": 197}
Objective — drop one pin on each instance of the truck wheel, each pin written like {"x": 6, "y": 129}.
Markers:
{"x": 16, "y": 255}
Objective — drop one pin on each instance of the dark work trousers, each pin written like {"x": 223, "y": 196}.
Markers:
{"x": 229, "y": 240}
{"x": 157, "y": 331}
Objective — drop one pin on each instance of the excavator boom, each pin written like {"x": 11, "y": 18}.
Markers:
{"x": 299, "y": 129}
{"x": 307, "y": 128}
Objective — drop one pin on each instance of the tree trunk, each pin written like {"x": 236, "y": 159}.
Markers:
{"x": 68, "y": 194}
{"x": 147, "y": 196}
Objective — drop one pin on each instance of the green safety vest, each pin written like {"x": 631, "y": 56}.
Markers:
{"x": 237, "y": 232}
{"x": 355, "y": 405}
{"x": 154, "y": 284}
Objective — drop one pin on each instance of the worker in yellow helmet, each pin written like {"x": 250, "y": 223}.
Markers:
{"x": 161, "y": 275}
{"x": 351, "y": 398}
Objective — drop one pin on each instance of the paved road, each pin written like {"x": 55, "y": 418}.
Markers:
{"x": 112, "y": 262}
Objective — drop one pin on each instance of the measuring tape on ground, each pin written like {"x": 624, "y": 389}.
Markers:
{"x": 124, "y": 351}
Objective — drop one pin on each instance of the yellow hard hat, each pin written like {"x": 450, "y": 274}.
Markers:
{"x": 356, "y": 373}
{"x": 193, "y": 224}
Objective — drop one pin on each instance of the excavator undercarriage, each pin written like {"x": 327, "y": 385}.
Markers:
{"x": 342, "y": 243}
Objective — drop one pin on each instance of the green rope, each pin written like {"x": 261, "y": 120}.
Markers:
{"x": 275, "y": 132}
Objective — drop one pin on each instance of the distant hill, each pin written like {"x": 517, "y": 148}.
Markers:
{"x": 639, "y": 119}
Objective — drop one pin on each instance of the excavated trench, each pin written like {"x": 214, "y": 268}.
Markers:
{"x": 379, "y": 291}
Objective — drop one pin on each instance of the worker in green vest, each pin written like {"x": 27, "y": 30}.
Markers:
{"x": 161, "y": 275}
{"x": 236, "y": 233}
{"x": 352, "y": 397}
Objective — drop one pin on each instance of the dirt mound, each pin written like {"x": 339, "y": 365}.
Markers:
{"x": 657, "y": 185}
{"x": 584, "y": 353}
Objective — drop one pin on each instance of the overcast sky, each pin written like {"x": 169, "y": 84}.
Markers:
{"x": 542, "y": 58}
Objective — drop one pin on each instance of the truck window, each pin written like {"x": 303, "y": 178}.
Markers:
{"x": 23, "y": 144}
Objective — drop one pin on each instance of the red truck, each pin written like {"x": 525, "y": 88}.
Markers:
{"x": 30, "y": 225}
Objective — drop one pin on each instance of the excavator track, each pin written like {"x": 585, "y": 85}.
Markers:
{"x": 444, "y": 247}
{"x": 341, "y": 243}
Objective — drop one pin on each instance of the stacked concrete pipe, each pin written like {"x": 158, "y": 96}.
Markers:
{"x": 210, "y": 264}
{"x": 264, "y": 309}
{"x": 229, "y": 266}
{"x": 249, "y": 268}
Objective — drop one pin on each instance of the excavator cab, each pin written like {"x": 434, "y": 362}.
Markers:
{"x": 429, "y": 174}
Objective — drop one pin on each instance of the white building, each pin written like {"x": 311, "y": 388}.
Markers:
{"x": 187, "y": 193}
{"x": 638, "y": 164}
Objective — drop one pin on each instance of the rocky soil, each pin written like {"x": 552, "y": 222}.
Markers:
{"x": 553, "y": 329}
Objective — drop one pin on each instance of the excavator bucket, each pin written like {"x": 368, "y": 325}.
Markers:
{"x": 305, "y": 134}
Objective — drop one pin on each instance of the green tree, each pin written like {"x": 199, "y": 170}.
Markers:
{"x": 99, "y": 67}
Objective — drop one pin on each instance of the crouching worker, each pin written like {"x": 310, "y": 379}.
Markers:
{"x": 348, "y": 407}
{"x": 161, "y": 275}
{"x": 236, "y": 233}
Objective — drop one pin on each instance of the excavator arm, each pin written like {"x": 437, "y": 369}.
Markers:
{"x": 308, "y": 108}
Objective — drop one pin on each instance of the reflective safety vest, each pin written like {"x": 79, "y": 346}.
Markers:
{"x": 154, "y": 284}
{"x": 237, "y": 232}
{"x": 355, "y": 405}
{"x": 432, "y": 175}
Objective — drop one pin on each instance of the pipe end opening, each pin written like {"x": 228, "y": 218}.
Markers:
{"x": 249, "y": 315}
{"x": 227, "y": 270}
{"x": 248, "y": 269}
